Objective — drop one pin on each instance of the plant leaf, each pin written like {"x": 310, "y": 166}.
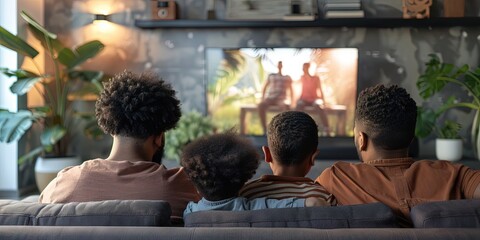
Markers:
{"x": 449, "y": 130}
{"x": 67, "y": 57}
{"x": 30, "y": 155}
{"x": 81, "y": 54}
{"x": 425, "y": 122}
{"x": 19, "y": 73}
{"x": 51, "y": 135}
{"x": 25, "y": 80}
{"x": 16, "y": 44}
{"x": 87, "y": 76}
{"x": 22, "y": 86}
{"x": 13, "y": 125}
{"x": 37, "y": 26}
{"x": 40, "y": 36}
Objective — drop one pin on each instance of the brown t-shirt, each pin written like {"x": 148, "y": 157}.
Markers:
{"x": 99, "y": 179}
{"x": 399, "y": 183}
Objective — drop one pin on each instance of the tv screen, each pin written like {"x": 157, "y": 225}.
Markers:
{"x": 246, "y": 87}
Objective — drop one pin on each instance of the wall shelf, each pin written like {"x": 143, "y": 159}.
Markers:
{"x": 337, "y": 22}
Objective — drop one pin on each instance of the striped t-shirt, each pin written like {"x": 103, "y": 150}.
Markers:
{"x": 280, "y": 187}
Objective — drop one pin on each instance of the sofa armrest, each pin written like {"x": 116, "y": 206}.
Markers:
{"x": 447, "y": 214}
{"x": 100, "y": 213}
{"x": 376, "y": 215}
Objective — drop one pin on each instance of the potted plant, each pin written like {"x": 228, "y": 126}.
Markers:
{"x": 438, "y": 75}
{"x": 449, "y": 145}
{"x": 56, "y": 115}
{"x": 191, "y": 126}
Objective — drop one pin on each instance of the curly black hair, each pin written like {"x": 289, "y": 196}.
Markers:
{"x": 220, "y": 164}
{"x": 137, "y": 106}
{"x": 388, "y": 116}
{"x": 292, "y": 136}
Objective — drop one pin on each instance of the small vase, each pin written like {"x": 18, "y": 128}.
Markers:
{"x": 46, "y": 169}
{"x": 449, "y": 149}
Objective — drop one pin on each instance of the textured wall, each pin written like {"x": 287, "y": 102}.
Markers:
{"x": 386, "y": 55}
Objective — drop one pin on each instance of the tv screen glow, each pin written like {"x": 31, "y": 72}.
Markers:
{"x": 236, "y": 77}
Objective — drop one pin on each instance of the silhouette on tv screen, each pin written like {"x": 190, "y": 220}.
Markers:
{"x": 246, "y": 87}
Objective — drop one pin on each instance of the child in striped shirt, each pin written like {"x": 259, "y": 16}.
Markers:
{"x": 292, "y": 147}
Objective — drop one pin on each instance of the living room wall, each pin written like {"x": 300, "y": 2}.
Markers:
{"x": 386, "y": 55}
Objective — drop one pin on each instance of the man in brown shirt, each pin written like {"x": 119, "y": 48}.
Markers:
{"x": 136, "y": 110}
{"x": 384, "y": 128}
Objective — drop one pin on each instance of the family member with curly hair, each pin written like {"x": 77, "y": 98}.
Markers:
{"x": 292, "y": 138}
{"x": 385, "y": 121}
{"x": 136, "y": 110}
{"x": 219, "y": 165}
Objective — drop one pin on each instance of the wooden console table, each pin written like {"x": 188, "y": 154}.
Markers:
{"x": 339, "y": 111}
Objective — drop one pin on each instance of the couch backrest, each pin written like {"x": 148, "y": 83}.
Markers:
{"x": 374, "y": 215}
{"x": 447, "y": 214}
{"x": 101, "y": 213}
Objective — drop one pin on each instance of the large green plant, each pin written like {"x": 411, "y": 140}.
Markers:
{"x": 56, "y": 115}
{"x": 191, "y": 126}
{"x": 436, "y": 77}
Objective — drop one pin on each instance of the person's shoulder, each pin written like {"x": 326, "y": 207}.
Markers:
{"x": 343, "y": 164}
{"x": 254, "y": 181}
{"x": 436, "y": 164}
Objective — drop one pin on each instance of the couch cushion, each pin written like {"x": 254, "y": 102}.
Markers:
{"x": 447, "y": 214}
{"x": 354, "y": 216}
{"x": 101, "y": 213}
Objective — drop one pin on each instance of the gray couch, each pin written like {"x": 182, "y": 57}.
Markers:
{"x": 143, "y": 219}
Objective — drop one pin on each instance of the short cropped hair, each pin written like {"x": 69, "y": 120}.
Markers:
{"x": 220, "y": 164}
{"x": 137, "y": 106}
{"x": 388, "y": 116}
{"x": 291, "y": 137}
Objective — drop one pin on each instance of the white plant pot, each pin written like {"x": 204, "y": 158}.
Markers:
{"x": 46, "y": 169}
{"x": 449, "y": 149}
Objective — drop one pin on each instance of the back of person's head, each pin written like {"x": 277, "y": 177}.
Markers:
{"x": 220, "y": 164}
{"x": 387, "y": 115}
{"x": 137, "y": 106}
{"x": 292, "y": 137}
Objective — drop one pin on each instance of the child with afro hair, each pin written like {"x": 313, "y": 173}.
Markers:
{"x": 219, "y": 165}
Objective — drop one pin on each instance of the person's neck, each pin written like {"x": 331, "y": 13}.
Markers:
{"x": 385, "y": 154}
{"x": 125, "y": 148}
{"x": 289, "y": 171}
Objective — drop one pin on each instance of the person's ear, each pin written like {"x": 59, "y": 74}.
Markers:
{"x": 362, "y": 141}
{"x": 268, "y": 155}
{"x": 159, "y": 140}
{"x": 313, "y": 157}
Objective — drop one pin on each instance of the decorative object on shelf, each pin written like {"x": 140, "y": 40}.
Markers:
{"x": 266, "y": 9}
{"x": 342, "y": 9}
{"x": 57, "y": 117}
{"x": 416, "y": 8}
{"x": 164, "y": 10}
{"x": 454, "y": 8}
{"x": 211, "y": 6}
{"x": 191, "y": 126}
{"x": 438, "y": 75}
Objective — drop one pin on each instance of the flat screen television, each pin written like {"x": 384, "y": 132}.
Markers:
{"x": 236, "y": 78}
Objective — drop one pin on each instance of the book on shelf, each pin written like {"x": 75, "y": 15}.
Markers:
{"x": 299, "y": 17}
{"x": 342, "y": 6}
{"x": 341, "y": 1}
{"x": 345, "y": 14}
